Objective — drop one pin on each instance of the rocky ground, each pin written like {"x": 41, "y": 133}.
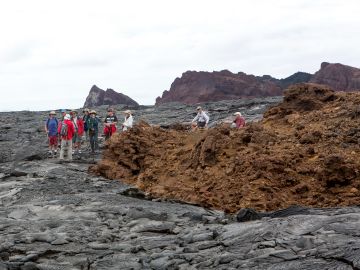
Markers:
{"x": 58, "y": 216}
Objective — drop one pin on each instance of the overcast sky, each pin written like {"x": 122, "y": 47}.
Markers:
{"x": 52, "y": 52}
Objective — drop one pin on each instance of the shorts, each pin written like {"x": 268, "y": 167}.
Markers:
{"x": 201, "y": 124}
{"x": 53, "y": 140}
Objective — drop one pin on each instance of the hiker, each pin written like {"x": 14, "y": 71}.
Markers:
{"x": 66, "y": 130}
{"x": 85, "y": 118}
{"x": 110, "y": 124}
{"x": 79, "y": 131}
{"x": 239, "y": 120}
{"x": 201, "y": 119}
{"x": 93, "y": 129}
{"x": 128, "y": 122}
{"x": 63, "y": 113}
{"x": 51, "y": 129}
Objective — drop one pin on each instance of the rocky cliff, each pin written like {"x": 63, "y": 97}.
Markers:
{"x": 194, "y": 87}
{"x": 337, "y": 76}
{"x": 98, "y": 97}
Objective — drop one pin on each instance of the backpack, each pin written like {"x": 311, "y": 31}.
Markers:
{"x": 75, "y": 123}
{"x": 85, "y": 119}
{"x": 64, "y": 129}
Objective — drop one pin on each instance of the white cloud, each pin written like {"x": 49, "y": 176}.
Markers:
{"x": 51, "y": 53}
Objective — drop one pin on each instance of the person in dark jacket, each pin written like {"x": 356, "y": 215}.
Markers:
{"x": 110, "y": 124}
{"x": 93, "y": 129}
{"x": 86, "y": 116}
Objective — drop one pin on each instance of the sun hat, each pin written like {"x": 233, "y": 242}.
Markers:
{"x": 198, "y": 108}
{"x": 92, "y": 112}
{"x": 86, "y": 110}
{"x": 127, "y": 111}
{"x": 63, "y": 111}
{"x": 237, "y": 113}
{"x": 52, "y": 113}
{"x": 67, "y": 117}
{"x": 73, "y": 111}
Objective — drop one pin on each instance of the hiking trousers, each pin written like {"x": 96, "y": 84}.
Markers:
{"x": 94, "y": 142}
{"x": 66, "y": 149}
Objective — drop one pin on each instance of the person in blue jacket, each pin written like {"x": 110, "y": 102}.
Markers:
{"x": 51, "y": 129}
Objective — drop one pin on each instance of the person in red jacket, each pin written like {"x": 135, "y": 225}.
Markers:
{"x": 79, "y": 131}
{"x": 239, "y": 120}
{"x": 66, "y": 131}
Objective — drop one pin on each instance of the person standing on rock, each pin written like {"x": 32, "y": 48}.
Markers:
{"x": 110, "y": 124}
{"x": 85, "y": 119}
{"x": 128, "y": 122}
{"x": 66, "y": 130}
{"x": 202, "y": 119}
{"x": 51, "y": 129}
{"x": 63, "y": 113}
{"x": 79, "y": 131}
{"x": 239, "y": 120}
{"x": 93, "y": 129}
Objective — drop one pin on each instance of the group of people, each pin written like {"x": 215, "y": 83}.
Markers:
{"x": 69, "y": 131}
{"x": 201, "y": 120}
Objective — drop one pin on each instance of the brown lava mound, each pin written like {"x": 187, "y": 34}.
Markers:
{"x": 305, "y": 151}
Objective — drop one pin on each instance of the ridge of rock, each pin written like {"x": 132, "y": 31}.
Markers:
{"x": 98, "y": 97}
{"x": 194, "y": 87}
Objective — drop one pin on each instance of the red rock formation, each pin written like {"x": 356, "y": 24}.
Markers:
{"x": 339, "y": 77}
{"x": 98, "y": 97}
{"x": 194, "y": 87}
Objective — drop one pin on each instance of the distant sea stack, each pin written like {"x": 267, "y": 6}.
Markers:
{"x": 194, "y": 87}
{"x": 98, "y": 97}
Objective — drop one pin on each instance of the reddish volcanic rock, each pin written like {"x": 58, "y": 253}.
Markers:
{"x": 337, "y": 76}
{"x": 98, "y": 97}
{"x": 194, "y": 87}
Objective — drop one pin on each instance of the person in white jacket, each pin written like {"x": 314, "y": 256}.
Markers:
{"x": 128, "y": 122}
{"x": 202, "y": 119}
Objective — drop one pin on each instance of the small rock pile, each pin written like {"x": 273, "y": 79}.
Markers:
{"x": 305, "y": 151}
